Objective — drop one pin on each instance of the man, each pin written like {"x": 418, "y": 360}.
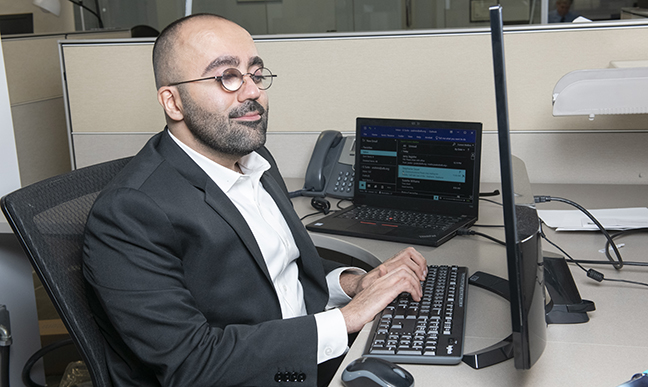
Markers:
{"x": 562, "y": 14}
{"x": 202, "y": 272}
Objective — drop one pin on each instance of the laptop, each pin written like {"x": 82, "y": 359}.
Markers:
{"x": 416, "y": 181}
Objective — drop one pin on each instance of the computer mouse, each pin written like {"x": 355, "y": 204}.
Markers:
{"x": 374, "y": 372}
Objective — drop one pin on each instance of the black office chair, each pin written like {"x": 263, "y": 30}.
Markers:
{"x": 49, "y": 218}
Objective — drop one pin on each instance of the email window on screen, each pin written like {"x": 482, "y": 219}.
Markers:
{"x": 423, "y": 162}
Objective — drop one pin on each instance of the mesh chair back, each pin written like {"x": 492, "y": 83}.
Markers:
{"x": 49, "y": 218}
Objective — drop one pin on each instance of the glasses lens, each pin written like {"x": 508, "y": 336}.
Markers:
{"x": 232, "y": 79}
{"x": 262, "y": 78}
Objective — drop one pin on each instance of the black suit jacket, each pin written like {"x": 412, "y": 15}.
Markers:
{"x": 184, "y": 295}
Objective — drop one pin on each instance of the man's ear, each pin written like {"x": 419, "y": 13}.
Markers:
{"x": 169, "y": 98}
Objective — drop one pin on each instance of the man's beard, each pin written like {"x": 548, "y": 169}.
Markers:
{"x": 217, "y": 132}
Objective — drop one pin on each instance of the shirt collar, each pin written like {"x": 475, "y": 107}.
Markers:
{"x": 252, "y": 165}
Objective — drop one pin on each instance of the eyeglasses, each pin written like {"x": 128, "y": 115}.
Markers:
{"x": 232, "y": 79}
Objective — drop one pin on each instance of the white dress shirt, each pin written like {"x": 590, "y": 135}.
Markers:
{"x": 278, "y": 247}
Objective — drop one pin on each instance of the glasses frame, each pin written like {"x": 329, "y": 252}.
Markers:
{"x": 218, "y": 78}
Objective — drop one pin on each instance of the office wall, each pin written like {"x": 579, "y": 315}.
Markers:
{"x": 326, "y": 83}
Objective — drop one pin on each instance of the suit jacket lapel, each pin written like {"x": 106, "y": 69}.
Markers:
{"x": 217, "y": 200}
{"x": 214, "y": 196}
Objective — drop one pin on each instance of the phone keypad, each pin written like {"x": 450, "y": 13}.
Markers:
{"x": 344, "y": 182}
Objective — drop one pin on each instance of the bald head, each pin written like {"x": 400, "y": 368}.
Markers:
{"x": 168, "y": 55}
{"x": 217, "y": 122}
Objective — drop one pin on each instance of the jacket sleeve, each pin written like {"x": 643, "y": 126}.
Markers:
{"x": 131, "y": 262}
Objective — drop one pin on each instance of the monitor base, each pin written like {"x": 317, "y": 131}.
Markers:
{"x": 502, "y": 350}
{"x": 565, "y": 307}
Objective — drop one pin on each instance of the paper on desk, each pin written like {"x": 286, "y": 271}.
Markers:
{"x": 611, "y": 219}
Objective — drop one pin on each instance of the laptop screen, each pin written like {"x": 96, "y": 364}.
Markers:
{"x": 425, "y": 164}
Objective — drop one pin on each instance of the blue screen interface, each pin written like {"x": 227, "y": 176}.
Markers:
{"x": 435, "y": 163}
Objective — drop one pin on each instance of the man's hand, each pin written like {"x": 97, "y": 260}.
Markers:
{"x": 373, "y": 291}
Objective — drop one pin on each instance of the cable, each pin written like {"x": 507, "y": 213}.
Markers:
{"x": 295, "y": 194}
{"x": 595, "y": 262}
{"x": 339, "y": 204}
{"x": 466, "y": 231}
{"x": 492, "y": 193}
{"x": 619, "y": 235}
{"x": 569, "y": 257}
{"x": 624, "y": 281}
{"x": 4, "y": 366}
{"x": 490, "y": 201}
{"x": 607, "y": 250}
{"x": 26, "y": 372}
{"x": 321, "y": 205}
{"x": 80, "y": 4}
{"x": 591, "y": 273}
{"x": 617, "y": 265}
{"x": 585, "y": 261}
{"x": 309, "y": 215}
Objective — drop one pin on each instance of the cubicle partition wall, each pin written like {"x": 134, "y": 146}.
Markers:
{"x": 326, "y": 81}
{"x": 33, "y": 73}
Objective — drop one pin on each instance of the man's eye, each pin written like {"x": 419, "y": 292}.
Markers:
{"x": 229, "y": 77}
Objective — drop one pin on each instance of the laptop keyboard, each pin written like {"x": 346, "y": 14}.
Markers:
{"x": 427, "y": 332}
{"x": 400, "y": 217}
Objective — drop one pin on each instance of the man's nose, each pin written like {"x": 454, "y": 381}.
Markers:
{"x": 249, "y": 89}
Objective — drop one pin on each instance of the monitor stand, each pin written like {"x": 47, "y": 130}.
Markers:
{"x": 565, "y": 307}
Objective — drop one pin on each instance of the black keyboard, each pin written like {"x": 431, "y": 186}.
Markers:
{"x": 403, "y": 217}
{"x": 427, "y": 332}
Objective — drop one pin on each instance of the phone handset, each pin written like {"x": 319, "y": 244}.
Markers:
{"x": 330, "y": 170}
{"x": 315, "y": 179}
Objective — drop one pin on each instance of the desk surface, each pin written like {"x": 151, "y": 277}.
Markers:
{"x": 606, "y": 351}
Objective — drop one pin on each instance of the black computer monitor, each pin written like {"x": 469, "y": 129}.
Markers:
{"x": 522, "y": 227}
{"x": 531, "y": 271}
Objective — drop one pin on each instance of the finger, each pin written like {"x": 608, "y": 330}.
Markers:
{"x": 417, "y": 258}
{"x": 412, "y": 259}
{"x": 404, "y": 280}
{"x": 411, "y": 254}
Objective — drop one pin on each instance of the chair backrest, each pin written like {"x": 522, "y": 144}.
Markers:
{"x": 144, "y": 31}
{"x": 49, "y": 218}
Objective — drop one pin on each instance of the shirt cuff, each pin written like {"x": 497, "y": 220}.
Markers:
{"x": 332, "y": 338}
{"x": 337, "y": 296}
